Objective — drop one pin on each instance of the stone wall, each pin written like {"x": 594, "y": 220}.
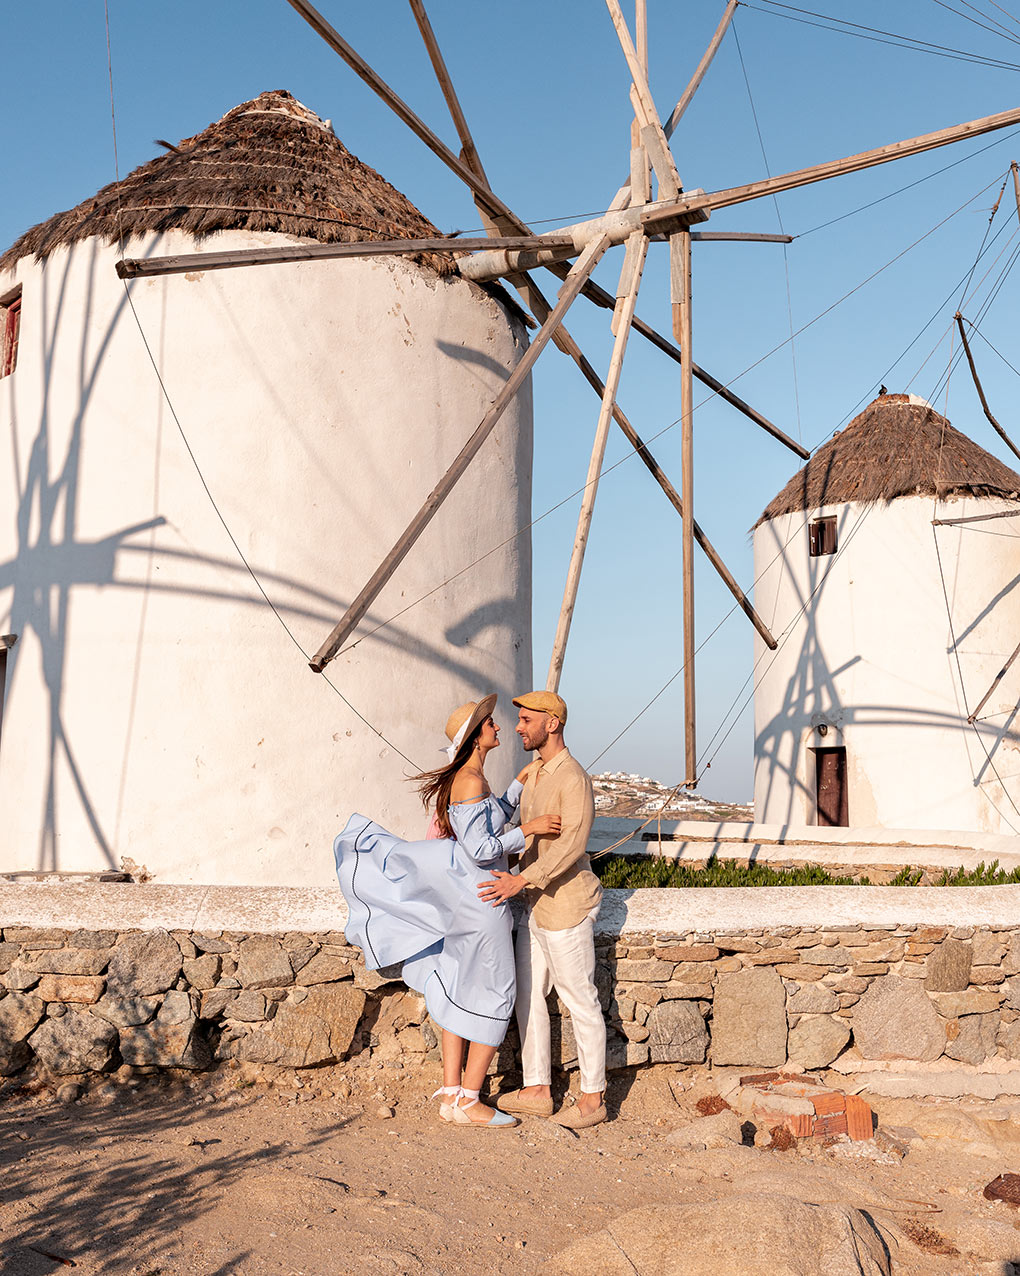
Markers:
{"x": 76, "y": 1002}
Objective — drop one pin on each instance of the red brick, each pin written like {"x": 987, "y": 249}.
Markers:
{"x": 827, "y": 1104}
{"x": 858, "y": 1118}
{"x": 833, "y": 1123}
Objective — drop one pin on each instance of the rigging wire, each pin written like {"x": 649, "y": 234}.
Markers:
{"x": 1002, "y": 32}
{"x": 184, "y": 438}
{"x": 782, "y": 231}
{"x": 860, "y": 31}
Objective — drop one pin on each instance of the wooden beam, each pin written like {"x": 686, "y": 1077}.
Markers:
{"x": 1016, "y": 186}
{"x": 582, "y": 268}
{"x": 663, "y": 219}
{"x": 975, "y": 518}
{"x": 739, "y": 236}
{"x": 995, "y": 682}
{"x": 644, "y": 108}
{"x": 134, "y": 267}
{"x": 981, "y": 394}
{"x": 540, "y": 308}
{"x": 417, "y": 126}
{"x": 703, "y": 65}
{"x": 630, "y": 282}
{"x": 680, "y": 271}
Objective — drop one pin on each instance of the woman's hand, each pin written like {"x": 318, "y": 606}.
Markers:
{"x": 522, "y": 774}
{"x": 542, "y": 826}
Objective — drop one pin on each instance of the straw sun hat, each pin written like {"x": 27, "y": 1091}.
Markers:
{"x": 463, "y": 721}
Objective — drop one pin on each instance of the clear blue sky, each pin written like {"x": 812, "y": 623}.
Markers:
{"x": 545, "y": 90}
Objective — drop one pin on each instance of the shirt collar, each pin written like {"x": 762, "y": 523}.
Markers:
{"x": 553, "y": 763}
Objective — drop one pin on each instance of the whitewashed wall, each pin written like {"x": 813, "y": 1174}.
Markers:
{"x": 871, "y": 656}
{"x": 156, "y": 708}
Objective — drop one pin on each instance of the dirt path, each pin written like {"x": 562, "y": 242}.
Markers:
{"x": 163, "y": 1180}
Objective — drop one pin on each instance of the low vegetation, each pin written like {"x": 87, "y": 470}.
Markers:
{"x": 632, "y": 872}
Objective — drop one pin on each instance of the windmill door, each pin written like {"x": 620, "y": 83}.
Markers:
{"x": 830, "y": 777}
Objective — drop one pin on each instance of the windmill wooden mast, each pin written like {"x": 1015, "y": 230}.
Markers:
{"x": 512, "y": 252}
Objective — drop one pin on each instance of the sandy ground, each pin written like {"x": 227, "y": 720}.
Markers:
{"x": 165, "y": 1177}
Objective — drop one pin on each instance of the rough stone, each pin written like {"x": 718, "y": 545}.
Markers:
{"x": 883, "y": 950}
{"x": 813, "y": 1000}
{"x": 676, "y": 1033}
{"x": 951, "y": 1005}
{"x": 802, "y": 972}
{"x": 863, "y": 968}
{"x": 126, "y": 1012}
{"x": 318, "y": 1030}
{"x": 144, "y": 964}
{"x": 775, "y": 957}
{"x": 215, "y": 1002}
{"x": 264, "y": 963}
{"x": 987, "y": 975}
{"x": 92, "y": 939}
{"x": 987, "y": 949}
{"x": 8, "y": 956}
{"x": 324, "y": 968}
{"x": 621, "y": 1053}
{"x": 648, "y": 971}
{"x": 1009, "y": 1039}
{"x": 210, "y": 944}
{"x": 749, "y": 1019}
{"x": 19, "y": 1015}
{"x": 71, "y": 961}
{"x": 248, "y": 1006}
{"x": 687, "y": 992}
{"x": 824, "y": 955}
{"x": 202, "y": 972}
{"x": 76, "y": 1042}
{"x": 371, "y": 980}
{"x": 847, "y": 983}
{"x": 817, "y": 1040}
{"x": 740, "y": 1235}
{"x": 975, "y": 1040}
{"x": 949, "y": 967}
{"x": 171, "y": 1040}
{"x": 721, "y": 1129}
{"x": 896, "y": 1020}
{"x": 688, "y": 952}
{"x": 20, "y": 978}
{"x": 84, "y": 990}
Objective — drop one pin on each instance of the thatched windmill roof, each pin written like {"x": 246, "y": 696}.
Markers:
{"x": 898, "y": 446}
{"x": 268, "y": 165}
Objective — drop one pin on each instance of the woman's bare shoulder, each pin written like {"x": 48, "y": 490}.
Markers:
{"x": 468, "y": 786}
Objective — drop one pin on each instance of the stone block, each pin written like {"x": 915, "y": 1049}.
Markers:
{"x": 725, "y": 965}
{"x": 645, "y": 994}
{"x": 952, "y": 1005}
{"x": 621, "y": 1053}
{"x": 83, "y": 990}
{"x": 32, "y": 935}
{"x": 21, "y": 977}
{"x": 802, "y": 973}
{"x": 126, "y": 1012}
{"x": 823, "y": 955}
{"x": 263, "y": 962}
{"x": 248, "y": 1006}
{"x": 71, "y": 961}
{"x": 749, "y": 1019}
{"x": 863, "y": 969}
{"x": 774, "y": 957}
{"x": 318, "y": 1030}
{"x": 202, "y": 972}
{"x": 210, "y": 944}
{"x": 323, "y": 968}
{"x": 1009, "y": 1039}
{"x": 688, "y": 952}
{"x": 734, "y": 944}
{"x": 686, "y": 992}
{"x": 987, "y": 975}
{"x": 633, "y": 1031}
{"x": 648, "y": 970}
{"x": 92, "y": 939}
{"x": 883, "y": 950}
{"x": 976, "y": 1040}
{"x": 20, "y": 1014}
{"x": 8, "y": 956}
{"x": 371, "y": 980}
{"x": 215, "y": 1002}
{"x": 987, "y": 948}
{"x": 676, "y": 1033}
{"x": 144, "y": 964}
{"x": 847, "y": 983}
{"x": 171, "y": 1040}
{"x": 76, "y": 1042}
{"x": 949, "y": 967}
{"x": 692, "y": 972}
{"x": 895, "y": 1019}
{"x": 817, "y": 1040}
{"x": 813, "y": 1000}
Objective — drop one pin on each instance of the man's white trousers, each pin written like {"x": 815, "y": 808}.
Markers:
{"x": 564, "y": 960}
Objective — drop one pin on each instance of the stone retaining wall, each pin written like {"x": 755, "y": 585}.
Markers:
{"x": 74, "y": 1002}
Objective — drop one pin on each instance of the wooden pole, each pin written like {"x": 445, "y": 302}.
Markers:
{"x": 663, "y": 219}
{"x": 630, "y": 282}
{"x": 974, "y": 518}
{"x": 680, "y": 276}
{"x": 540, "y": 308}
{"x": 981, "y": 394}
{"x": 583, "y": 267}
{"x": 1016, "y": 186}
{"x": 703, "y": 65}
{"x": 995, "y": 682}
{"x": 176, "y": 264}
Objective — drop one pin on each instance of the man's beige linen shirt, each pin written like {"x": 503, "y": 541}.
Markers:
{"x": 562, "y": 889}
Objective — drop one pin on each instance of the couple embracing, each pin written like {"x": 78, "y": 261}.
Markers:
{"x": 440, "y": 908}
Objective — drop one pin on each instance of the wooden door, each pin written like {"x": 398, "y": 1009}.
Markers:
{"x": 831, "y": 787}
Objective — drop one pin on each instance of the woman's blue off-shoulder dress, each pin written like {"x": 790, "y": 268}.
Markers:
{"x": 417, "y": 904}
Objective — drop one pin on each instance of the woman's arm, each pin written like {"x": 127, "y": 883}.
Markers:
{"x": 475, "y": 829}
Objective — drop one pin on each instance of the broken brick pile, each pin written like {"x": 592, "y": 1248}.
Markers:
{"x": 806, "y": 1109}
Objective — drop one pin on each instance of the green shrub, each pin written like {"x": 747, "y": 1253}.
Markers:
{"x": 633, "y": 872}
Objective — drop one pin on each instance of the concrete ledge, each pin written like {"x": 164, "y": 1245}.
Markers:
{"x": 697, "y": 840}
{"x": 280, "y": 909}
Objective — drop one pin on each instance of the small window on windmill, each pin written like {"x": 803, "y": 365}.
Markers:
{"x": 822, "y": 536}
{"x": 10, "y": 330}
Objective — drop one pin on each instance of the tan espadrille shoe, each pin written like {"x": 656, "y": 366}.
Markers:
{"x": 524, "y": 1104}
{"x": 574, "y": 1119}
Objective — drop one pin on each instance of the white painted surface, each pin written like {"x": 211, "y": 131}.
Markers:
{"x": 871, "y": 656}
{"x": 156, "y": 707}
{"x": 728, "y": 910}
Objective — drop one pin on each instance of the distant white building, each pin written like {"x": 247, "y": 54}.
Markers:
{"x": 155, "y": 706}
{"x": 892, "y": 630}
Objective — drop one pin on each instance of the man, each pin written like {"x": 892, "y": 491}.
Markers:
{"x": 555, "y": 943}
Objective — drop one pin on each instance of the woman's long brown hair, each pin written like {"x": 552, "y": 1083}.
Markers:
{"x": 436, "y": 786}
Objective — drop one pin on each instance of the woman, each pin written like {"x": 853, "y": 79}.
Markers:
{"x": 417, "y": 903}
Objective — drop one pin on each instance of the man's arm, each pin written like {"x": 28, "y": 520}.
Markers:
{"x": 555, "y": 855}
